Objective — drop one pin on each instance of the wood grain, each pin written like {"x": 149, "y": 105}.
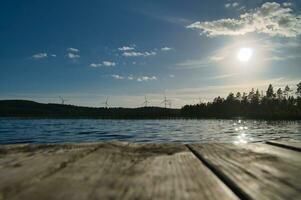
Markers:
{"x": 23, "y": 165}
{"x": 255, "y": 170}
{"x": 121, "y": 170}
{"x": 133, "y": 171}
{"x": 296, "y": 146}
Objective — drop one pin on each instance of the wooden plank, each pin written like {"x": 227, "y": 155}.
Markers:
{"x": 149, "y": 171}
{"x": 255, "y": 173}
{"x": 287, "y": 155}
{"x": 22, "y": 165}
{"x": 296, "y": 146}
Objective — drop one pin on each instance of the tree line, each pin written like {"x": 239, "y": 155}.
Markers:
{"x": 282, "y": 103}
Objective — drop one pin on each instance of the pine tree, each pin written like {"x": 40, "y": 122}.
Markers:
{"x": 279, "y": 94}
{"x": 287, "y": 91}
{"x": 270, "y": 92}
{"x": 298, "y": 92}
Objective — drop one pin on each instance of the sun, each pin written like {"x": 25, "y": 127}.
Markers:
{"x": 245, "y": 54}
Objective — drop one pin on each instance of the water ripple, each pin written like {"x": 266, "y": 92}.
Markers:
{"x": 183, "y": 131}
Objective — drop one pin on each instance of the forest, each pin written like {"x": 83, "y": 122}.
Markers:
{"x": 282, "y": 103}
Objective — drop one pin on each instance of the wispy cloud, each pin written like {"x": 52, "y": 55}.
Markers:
{"x": 103, "y": 64}
{"x": 223, "y": 76}
{"x": 137, "y": 54}
{"x": 282, "y": 57}
{"x": 74, "y": 50}
{"x": 95, "y": 64}
{"x": 131, "y": 77}
{"x": 39, "y": 56}
{"x": 72, "y": 55}
{"x": 118, "y": 77}
{"x": 108, "y": 63}
{"x": 232, "y": 5}
{"x": 146, "y": 78}
{"x": 126, "y": 48}
{"x": 287, "y": 4}
{"x": 271, "y": 18}
{"x": 166, "y": 48}
{"x": 192, "y": 64}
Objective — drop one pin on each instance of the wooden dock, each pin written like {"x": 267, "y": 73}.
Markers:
{"x": 117, "y": 170}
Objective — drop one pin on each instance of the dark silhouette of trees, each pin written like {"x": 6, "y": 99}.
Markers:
{"x": 279, "y": 105}
{"x": 254, "y": 104}
{"x": 270, "y": 92}
{"x": 298, "y": 92}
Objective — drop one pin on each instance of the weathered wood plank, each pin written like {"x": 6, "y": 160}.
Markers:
{"x": 254, "y": 170}
{"x": 22, "y": 165}
{"x": 296, "y": 146}
{"x": 149, "y": 171}
{"x": 289, "y": 156}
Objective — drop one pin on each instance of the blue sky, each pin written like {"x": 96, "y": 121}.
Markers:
{"x": 124, "y": 50}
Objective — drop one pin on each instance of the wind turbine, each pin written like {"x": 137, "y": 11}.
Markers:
{"x": 145, "y": 101}
{"x": 169, "y": 102}
{"x": 106, "y": 102}
{"x": 165, "y": 101}
{"x": 62, "y": 100}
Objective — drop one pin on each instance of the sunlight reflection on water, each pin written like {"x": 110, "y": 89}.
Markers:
{"x": 183, "y": 131}
{"x": 242, "y": 137}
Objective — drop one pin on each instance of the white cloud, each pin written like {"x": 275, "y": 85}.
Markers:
{"x": 74, "y": 50}
{"x": 283, "y": 58}
{"x": 171, "y": 76}
{"x": 95, "y": 65}
{"x": 137, "y": 78}
{"x": 104, "y": 63}
{"x": 193, "y": 63}
{"x": 223, "y": 76}
{"x": 72, "y": 55}
{"x": 118, "y": 77}
{"x": 53, "y": 55}
{"x": 108, "y": 63}
{"x": 235, "y": 4}
{"x": 287, "y": 4}
{"x": 166, "y": 49}
{"x": 228, "y": 5}
{"x": 126, "y": 48}
{"x": 271, "y": 18}
{"x": 146, "y": 78}
{"x": 232, "y": 5}
{"x": 137, "y": 54}
{"x": 40, "y": 56}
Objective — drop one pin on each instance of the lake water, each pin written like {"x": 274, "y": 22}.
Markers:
{"x": 14, "y": 131}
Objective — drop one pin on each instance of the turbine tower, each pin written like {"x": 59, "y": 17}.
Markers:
{"x": 62, "y": 100}
{"x": 145, "y": 101}
{"x": 165, "y": 101}
{"x": 106, "y": 103}
{"x": 169, "y": 103}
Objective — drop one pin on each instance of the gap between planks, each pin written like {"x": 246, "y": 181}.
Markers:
{"x": 290, "y": 146}
{"x": 221, "y": 176}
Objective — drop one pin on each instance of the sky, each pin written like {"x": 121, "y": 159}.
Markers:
{"x": 124, "y": 50}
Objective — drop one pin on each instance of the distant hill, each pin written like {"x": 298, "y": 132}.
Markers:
{"x": 24, "y": 108}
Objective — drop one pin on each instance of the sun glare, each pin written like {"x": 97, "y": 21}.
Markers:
{"x": 245, "y": 54}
